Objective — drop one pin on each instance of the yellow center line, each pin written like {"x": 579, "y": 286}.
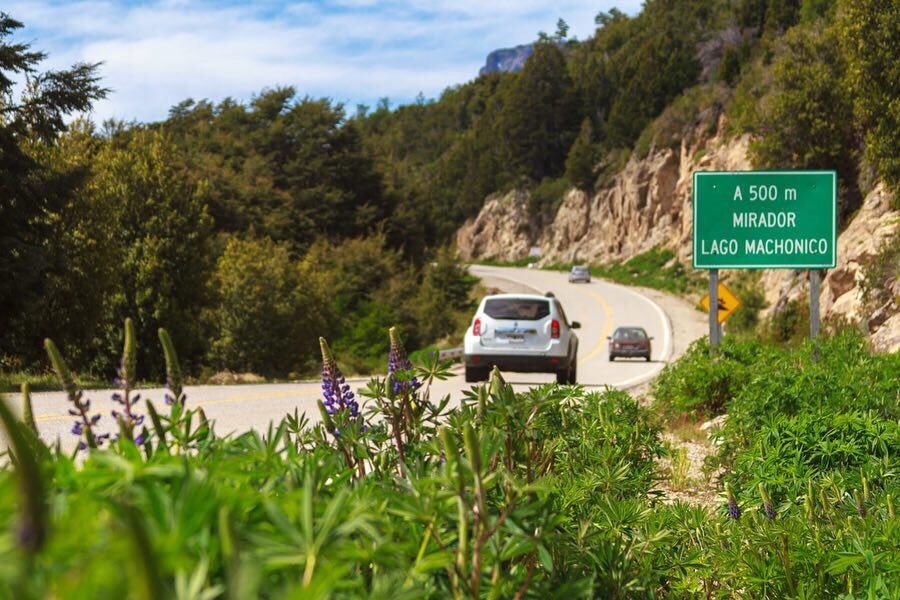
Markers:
{"x": 215, "y": 401}
{"x": 607, "y": 327}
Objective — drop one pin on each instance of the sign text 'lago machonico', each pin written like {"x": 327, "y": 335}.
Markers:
{"x": 765, "y": 219}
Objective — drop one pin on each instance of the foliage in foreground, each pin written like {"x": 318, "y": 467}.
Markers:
{"x": 810, "y": 445}
{"x": 542, "y": 494}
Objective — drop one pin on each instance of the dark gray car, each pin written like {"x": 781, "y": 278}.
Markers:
{"x": 631, "y": 342}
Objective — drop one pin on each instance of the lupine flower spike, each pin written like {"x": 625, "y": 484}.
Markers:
{"x": 27, "y": 411}
{"x": 865, "y": 484}
{"x": 174, "y": 380}
{"x": 809, "y": 506}
{"x": 338, "y": 399}
{"x": 126, "y": 378}
{"x": 32, "y": 529}
{"x": 768, "y": 508}
{"x": 860, "y": 504}
{"x": 734, "y": 511}
{"x": 399, "y": 361}
{"x": 85, "y": 423}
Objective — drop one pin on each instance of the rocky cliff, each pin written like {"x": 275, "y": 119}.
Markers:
{"x": 841, "y": 297}
{"x": 648, "y": 204}
{"x": 507, "y": 60}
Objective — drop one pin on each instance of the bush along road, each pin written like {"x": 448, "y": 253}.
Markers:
{"x": 547, "y": 493}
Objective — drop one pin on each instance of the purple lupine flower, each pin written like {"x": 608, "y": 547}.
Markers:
{"x": 734, "y": 511}
{"x": 124, "y": 398}
{"x": 399, "y": 361}
{"x": 83, "y": 426}
{"x": 336, "y": 393}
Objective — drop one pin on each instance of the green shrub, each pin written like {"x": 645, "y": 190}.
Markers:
{"x": 866, "y": 29}
{"x": 785, "y": 453}
{"x": 699, "y": 386}
{"x": 267, "y": 307}
{"x": 790, "y": 324}
{"x": 546, "y": 196}
{"x": 747, "y": 287}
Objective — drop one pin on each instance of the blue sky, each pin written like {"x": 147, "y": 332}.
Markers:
{"x": 159, "y": 52}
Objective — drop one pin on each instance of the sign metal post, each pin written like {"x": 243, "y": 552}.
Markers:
{"x": 713, "y": 309}
{"x": 814, "y": 303}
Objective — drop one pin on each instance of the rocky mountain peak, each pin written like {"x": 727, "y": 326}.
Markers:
{"x": 507, "y": 60}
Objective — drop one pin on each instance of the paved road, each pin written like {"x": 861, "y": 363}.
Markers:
{"x": 599, "y": 306}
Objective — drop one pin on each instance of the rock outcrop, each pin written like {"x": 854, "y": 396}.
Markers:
{"x": 507, "y": 60}
{"x": 502, "y": 230}
{"x": 841, "y": 297}
{"x": 647, "y": 204}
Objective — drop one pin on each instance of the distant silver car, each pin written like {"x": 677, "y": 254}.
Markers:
{"x": 523, "y": 333}
{"x": 580, "y": 273}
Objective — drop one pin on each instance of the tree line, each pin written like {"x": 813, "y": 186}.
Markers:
{"x": 247, "y": 229}
{"x": 814, "y": 81}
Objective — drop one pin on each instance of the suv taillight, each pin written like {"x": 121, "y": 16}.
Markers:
{"x": 476, "y": 327}
{"x": 554, "y": 329}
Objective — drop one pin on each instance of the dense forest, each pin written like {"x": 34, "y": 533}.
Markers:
{"x": 815, "y": 81}
{"x": 251, "y": 228}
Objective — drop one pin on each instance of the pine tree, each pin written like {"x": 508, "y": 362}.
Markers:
{"x": 582, "y": 158}
{"x": 539, "y": 116}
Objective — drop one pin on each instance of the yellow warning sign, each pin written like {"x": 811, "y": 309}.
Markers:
{"x": 728, "y": 303}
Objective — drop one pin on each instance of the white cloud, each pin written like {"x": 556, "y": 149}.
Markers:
{"x": 160, "y": 52}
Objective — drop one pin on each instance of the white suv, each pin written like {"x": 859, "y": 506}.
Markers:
{"x": 521, "y": 332}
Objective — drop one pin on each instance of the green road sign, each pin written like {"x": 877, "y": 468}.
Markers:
{"x": 765, "y": 219}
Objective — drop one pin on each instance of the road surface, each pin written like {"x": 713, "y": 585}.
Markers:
{"x": 600, "y": 306}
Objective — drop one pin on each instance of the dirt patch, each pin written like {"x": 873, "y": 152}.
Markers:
{"x": 686, "y": 479}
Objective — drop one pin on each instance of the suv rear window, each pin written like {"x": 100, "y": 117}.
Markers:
{"x": 516, "y": 309}
{"x": 630, "y": 334}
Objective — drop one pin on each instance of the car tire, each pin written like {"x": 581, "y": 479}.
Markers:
{"x": 647, "y": 358}
{"x": 562, "y": 377}
{"x": 612, "y": 357}
{"x": 573, "y": 374}
{"x": 476, "y": 374}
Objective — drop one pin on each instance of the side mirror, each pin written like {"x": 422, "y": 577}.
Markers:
{"x": 651, "y": 337}
{"x": 576, "y": 325}
{"x": 609, "y": 337}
